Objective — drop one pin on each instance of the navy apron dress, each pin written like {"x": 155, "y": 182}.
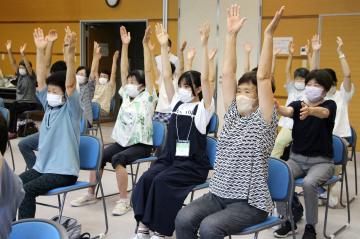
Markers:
{"x": 161, "y": 191}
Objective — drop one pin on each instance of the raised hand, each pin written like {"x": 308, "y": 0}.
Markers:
{"x": 72, "y": 39}
{"x": 67, "y": 36}
{"x": 234, "y": 20}
{"x": 204, "y": 33}
{"x": 116, "y": 56}
{"x": 316, "y": 42}
{"x": 151, "y": 46}
{"x": 161, "y": 34}
{"x": 183, "y": 46}
{"x": 97, "y": 50}
{"x": 191, "y": 53}
{"x": 22, "y": 49}
{"x": 147, "y": 35}
{"x": 277, "y": 52}
{"x": 125, "y": 36}
{"x": 212, "y": 54}
{"x": 8, "y": 45}
{"x": 307, "y": 47}
{"x": 340, "y": 43}
{"x": 291, "y": 48}
{"x": 39, "y": 39}
{"x": 247, "y": 47}
{"x": 270, "y": 29}
{"x": 52, "y": 36}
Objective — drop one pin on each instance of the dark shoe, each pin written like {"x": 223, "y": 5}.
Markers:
{"x": 284, "y": 230}
{"x": 12, "y": 135}
{"x": 309, "y": 232}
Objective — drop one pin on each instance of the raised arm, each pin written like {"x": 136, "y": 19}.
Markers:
{"x": 315, "y": 59}
{"x": 207, "y": 90}
{"x": 247, "y": 52}
{"x": 289, "y": 63}
{"x": 67, "y": 31}
{"x": 51, "y": 38}
{"x": 273, "y": 65}
{"x": 344, "y": 65}
{"x": 163, "y": 37}
{"x": 26, "y": 62}
{"x": 113, "y": 69}
{"x": 94, "y": 72}
{"x": 40, "y": 44}
{"x": 1, "y": 74}
{"x": 190, "y": 58}
{"x": 308, "y": 54}
{"x": 11, "y": 56}
{"x": 180, "y": 69}
{"x": 154, "y": 70}
{"x": 147, "y": 61}
{"x": 284, "y": 111}
{"x": 212, "y": 73}
{"x": 234, "y": 24}
{"x": 70, "y": 84}
{"x": 124, "y": 65}
{"x": 265, "y": 94}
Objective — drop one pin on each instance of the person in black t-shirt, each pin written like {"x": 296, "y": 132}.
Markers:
{"x": 311, "y": 153}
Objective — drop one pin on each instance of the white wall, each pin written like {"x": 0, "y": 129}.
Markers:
{"x": 193, "y": 13}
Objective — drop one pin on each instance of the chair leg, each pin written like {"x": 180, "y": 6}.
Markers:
{"x": 132, "y": 177}
{"x": 137, "y": 172}
{"x": 355, "y": 169}
{"x": 104, "y": 207}
{"x": 12, "y": 155}
{"x": 192, "y": 195}
{"x": 62, "y": 206}
{"x": 256, "y": 235}
{"x": 101, "y": 135}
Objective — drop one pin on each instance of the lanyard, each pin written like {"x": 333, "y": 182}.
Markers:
{"x": 177, "y": 129}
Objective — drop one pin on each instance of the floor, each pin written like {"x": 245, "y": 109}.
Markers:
{"x": 91, "y": 216}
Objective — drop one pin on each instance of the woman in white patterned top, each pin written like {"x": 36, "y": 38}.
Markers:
{"x": 133, "y": 128}
{"x": 239, "y": 196}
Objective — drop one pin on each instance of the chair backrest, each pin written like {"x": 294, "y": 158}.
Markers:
{"x": 280, "y": 180}
{"x": 6, "y": 114}
{"x": 159, "y": 133}
{"x": 96, "y": 108}
{"x": 339, "y": 151}
{"x": 211, "y": 144}
{"x": 83, "y": 126}
{"x": 37, "y": 229}
{"x": 353, "y": 138}
{"x": 112, "y": 104}
{"x": 213, "y": 124}
{"x": 90, "y": 152}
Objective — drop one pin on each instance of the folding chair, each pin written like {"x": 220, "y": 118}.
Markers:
{"x": 90, "y": 159}
{"x": 213, "y": 125}
{"x": 96, "y": 126}
{"x": 6, "y": 114}
{"x": 340, "y": 158}
{"x": 281, "y": 187}
{"x": 352, "y": 144}
{"x": 28, "y": 114}
{"x": 37, "y": 229}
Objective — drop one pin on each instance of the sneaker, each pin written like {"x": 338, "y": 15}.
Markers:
{"x": 285, "y": 230}
{"x": 121, "y": 208}
{"x": 84, "y": 200}
{"x": 309, "y": 232}
{"x": 141, "y": 236}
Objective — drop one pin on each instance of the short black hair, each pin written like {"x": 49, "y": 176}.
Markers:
{"x": 301, "y": 72}
{"x": 87, "y": 70}
{"x": 192, "y": 79}
{"x": 322, "y": 77}
{"x": 250, "y": 77}
{"x": 58, "y": 66}
{"x": 57, "y": 79}
{"x": 22, "y": 62}
{"x": 332, "y": 73}
{"x": 173, "y": 68}
{"x": 3, "y": 134}
{"x": 139, "y": 76}
{"x": 104, "y": 71}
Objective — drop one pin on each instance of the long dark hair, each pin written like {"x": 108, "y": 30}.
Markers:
{"x": 192, "y": 79}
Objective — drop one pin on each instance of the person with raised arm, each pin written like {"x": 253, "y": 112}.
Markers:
{"x": 247, "y": 51}
{"x": 161, "y": 190}
{"x": 294, "y": 86}
{"x": 133, "y": 130}
{"x": 57, "y": 163}
{"x": 239, "y": 196}
{"x": 25, "y": 88}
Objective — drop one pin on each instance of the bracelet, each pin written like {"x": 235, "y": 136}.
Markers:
{"x": 342, "y": 56}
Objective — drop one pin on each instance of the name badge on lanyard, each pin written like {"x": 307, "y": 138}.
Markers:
{"x": 182, "y": 148}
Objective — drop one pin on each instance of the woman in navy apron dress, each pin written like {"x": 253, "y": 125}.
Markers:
{"x": 161, "y": 191}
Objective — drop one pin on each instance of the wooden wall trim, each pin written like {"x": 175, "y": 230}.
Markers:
{"x": 292, "y": 17}
{"x": 34, "y": 53}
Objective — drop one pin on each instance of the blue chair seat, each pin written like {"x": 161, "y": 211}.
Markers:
{"x": 269, "y": 222}
{"x": 78, "y": 185}
{"x": 144, "y": 160}
{"x": 37, "y": 229}
{"x": 300, "y": 181}
{"x": 202, "y": 186}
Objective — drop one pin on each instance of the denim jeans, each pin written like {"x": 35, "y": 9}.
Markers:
{"x": 27, "y": 146}
{"x": 215, "y": 217}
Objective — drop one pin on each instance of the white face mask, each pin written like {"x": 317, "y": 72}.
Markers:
{"x": 185, "y": 96}
{"x": 55, "y": 100}
{"x": 132, "y": 90}
{"x": 81, "y": 79}
{"x": 244, "y": 104}
{"x": 299, "y": 85}
{"x": 22, "y": 71}
{"x": 332, "y": 91}
{"x": 103, "y": 80}
{"x": 313, "y": 93}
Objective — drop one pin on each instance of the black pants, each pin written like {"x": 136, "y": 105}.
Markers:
{"x": 16, "y": 109}
{"x": 118, "y": 155}
{"x": 36, "y": 184}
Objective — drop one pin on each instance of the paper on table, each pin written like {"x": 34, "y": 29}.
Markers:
{"x": 282, "y": 43}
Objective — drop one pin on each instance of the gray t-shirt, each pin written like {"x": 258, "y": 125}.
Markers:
{"x": 11, "y": 196}
{"x": 26, "y": 88}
